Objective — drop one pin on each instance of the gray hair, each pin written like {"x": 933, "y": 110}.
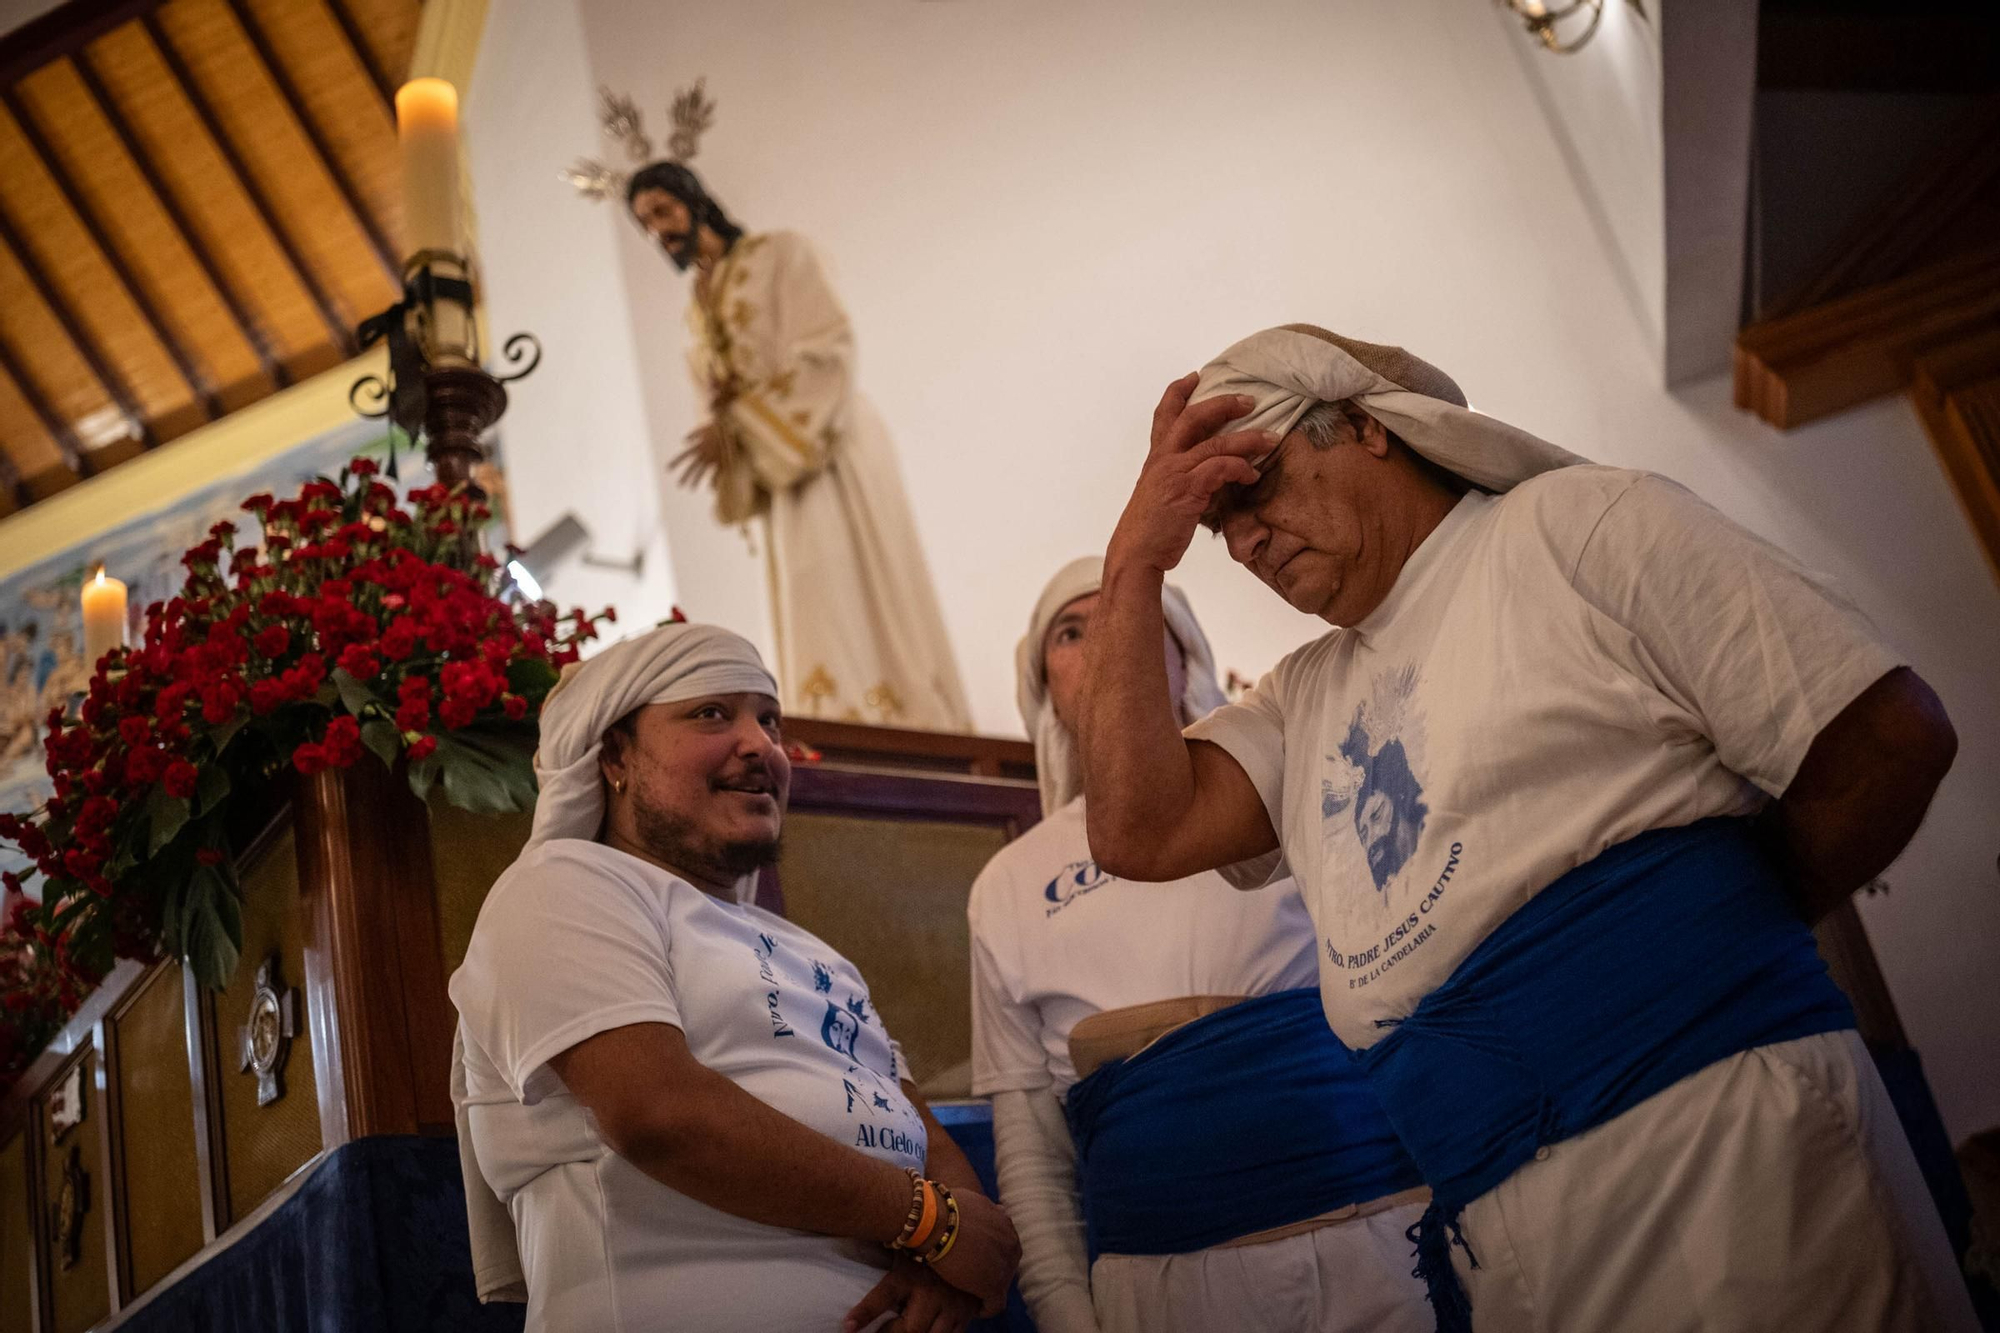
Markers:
{"x": 1326, "y": 424}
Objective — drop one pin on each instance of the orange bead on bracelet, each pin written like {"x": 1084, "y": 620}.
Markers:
{"x": 920, "y": 1229}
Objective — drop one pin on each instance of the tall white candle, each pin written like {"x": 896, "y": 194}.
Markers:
{"x": 427, "y": 132}
{"x": 103, "y": 617}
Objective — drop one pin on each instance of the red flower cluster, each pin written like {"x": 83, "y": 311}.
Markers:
{"x": 352, "y": 615}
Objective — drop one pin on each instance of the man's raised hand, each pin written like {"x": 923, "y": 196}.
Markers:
{"x": 1184, "y": 468}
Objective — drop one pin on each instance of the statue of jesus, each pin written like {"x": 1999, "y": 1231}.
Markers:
{"x": 859, "y": 633}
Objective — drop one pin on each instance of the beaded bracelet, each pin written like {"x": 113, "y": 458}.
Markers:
{"x": 920, "y": 1223}
{"x": 948, "y": 1233}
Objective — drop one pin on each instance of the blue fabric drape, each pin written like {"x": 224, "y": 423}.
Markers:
{"x": 373, "y": 1242}
{"x": 1650, "y": 962}
{"x": 1250, "y": 1118}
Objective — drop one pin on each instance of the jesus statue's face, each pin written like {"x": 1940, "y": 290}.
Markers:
{"x": 669, "y": 221}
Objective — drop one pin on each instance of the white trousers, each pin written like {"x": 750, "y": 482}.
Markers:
{"x": 1351, "y": 1277}
{"x": 1772, "y": 1192}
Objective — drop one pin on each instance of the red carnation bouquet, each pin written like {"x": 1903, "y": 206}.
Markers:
{"x": 356, "y": 626}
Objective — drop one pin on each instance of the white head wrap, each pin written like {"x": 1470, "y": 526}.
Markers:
{"x": 673, "y": 662}
{"x": 1056, "y": 766}
{"x": 1288, "y": 370}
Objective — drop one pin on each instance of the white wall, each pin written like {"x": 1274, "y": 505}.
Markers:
{"x": 1602, "y": 107}
{"x": 1040, "y": 211}
{"x": 575, "y": 436}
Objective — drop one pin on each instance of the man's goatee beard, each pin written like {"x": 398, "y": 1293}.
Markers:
{"x": 738, "y": 859}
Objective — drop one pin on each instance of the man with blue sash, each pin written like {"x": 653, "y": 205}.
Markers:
{"x": 1160, "y": 1049}
{"x": 1562, "y": 790}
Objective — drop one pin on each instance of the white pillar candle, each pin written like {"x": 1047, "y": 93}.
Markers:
{"x": 103, "y": 617}
{"x": 427, "y": 132}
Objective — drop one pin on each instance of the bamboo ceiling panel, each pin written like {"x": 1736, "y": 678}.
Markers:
{"x": 137, "y": 228}
{"x": 198, "y": 203}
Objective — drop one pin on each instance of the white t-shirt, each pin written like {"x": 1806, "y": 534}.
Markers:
{"x": 1055, "y": 940}
{"x": 1591, "y": 655}
{"x": 576, "y": 939}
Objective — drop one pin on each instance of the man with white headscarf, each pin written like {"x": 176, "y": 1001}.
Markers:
{"x": 688, "y": 1104}
{"x": 1562, "y": 788}
{"x": 1161, "y": 1049}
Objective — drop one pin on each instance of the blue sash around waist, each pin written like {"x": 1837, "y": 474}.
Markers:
{"x": 1659, "y": 957}
{"x": 1249, "y": 1118}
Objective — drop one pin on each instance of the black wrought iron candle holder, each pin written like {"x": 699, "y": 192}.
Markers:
{"x": 436, "y": 392}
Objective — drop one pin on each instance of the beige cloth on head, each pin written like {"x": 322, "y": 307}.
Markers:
{"x": 1288, "y": 370}
{"x": 1056, "y": 766}
{"x": 664, "y": 665}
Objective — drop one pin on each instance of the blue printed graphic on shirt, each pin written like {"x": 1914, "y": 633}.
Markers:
{"x": 1072, "y": 882}
{"x": 839, "y": 1029}
{"x": 1372, "y": 792}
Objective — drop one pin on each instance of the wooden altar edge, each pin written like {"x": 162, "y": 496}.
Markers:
{"x": 855, "y": 742}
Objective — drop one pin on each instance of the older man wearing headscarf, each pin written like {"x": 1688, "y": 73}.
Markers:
{"x": 1562, "y": 788}
{"x": 688, "y": 1104}
{"x": 1162, "y": 1048}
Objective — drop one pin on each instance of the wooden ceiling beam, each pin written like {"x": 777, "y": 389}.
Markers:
{"x": 329, "y": 311}
{"x": 1956, "y": 391}
{"x": 251, "y": 328}
{"x": 384, "y": 85}
{"x": 65, "y": 436}
{"x": 196, "y": 379}
{"x": 86, "y": 346}
{"x": 1800, "y": 367}
{"x": 274, "y": 68}
{"x": 62, "y": 30}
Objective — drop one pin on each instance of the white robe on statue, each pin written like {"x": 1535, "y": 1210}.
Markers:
{"x": 859, "y": 634}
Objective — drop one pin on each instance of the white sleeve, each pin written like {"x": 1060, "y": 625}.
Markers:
{"x": 1007, "y": 1053}
{"x": 1252, "y": 732}
{"x": 1036, "y": 1162}
{"x": 1742, "y": 644}
{"x": 564, "y": 949}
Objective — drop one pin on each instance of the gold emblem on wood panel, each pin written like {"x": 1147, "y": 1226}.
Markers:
{"x": 67, "y": 1211}
{"x": 267, "y": 1038}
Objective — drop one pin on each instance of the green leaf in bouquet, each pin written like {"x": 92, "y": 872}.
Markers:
{"x": 211, "y": 926}
{"x": 380, "y": 735}
{"x": 327, "y": 695}
{"x": 164, "y": 816}
{"x": 424, "y": 776}
{"x": 213, "y": 788}
{"x": 220, "y": 738}
{"x": 173, "y": 906}
{"x": 485, "y": 773}
{"x": 354, "y": 694}
{"x": 531, "y": 677}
